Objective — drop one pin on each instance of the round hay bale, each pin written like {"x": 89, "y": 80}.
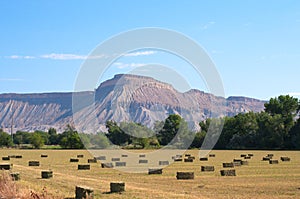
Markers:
{"x": 230, "y": 172}
{"x": 247, "y": 157}
{"x": 243, "y": 155}
{"x": 44, "y": 156}
{"x": 142, "y": 155}
{"x": 211, "y": 155}
{"x": 18, "y": 157}
{"x": 250, "y": 154}
{"x": 117, "y": 187}
{"x": 270, "y": 155}
{"x": 207, "y": 168}
{"x": 155, "y": 171}
{"x": 82, "y": 192}
{"x": 124, "y": 156}
{"x": 80, "y": 156}
{"x": 185, "y": 175}
{"x": 115, "y": 159}
{"x": 46, "y": 174}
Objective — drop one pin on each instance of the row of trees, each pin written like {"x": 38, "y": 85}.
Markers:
{"x": 277, "y": 127}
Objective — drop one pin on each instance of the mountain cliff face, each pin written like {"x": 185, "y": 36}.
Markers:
{"x": 123, "y": 98}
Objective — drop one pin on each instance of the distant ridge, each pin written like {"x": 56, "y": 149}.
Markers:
{"x": 122, "y": 98}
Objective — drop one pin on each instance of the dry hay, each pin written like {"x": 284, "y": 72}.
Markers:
{"x": 117, "y": 187}
{"x": 93, "y": 160}
{"x": 204, "y": 159}
{"x": 101, "y": 158}
{"x": 143, "y": 161}
{"x": 82, "y": 192}
{"x": 47, "y": 174}
{"x": 107, "y": 165}
{"x": 162, "y": 163}
{"x": 207, "y": 168}
{"x": 84, "y": 167}
{"x": 228, "y": 165}
{"x": 120, "y": 164}
{"x": 155, "y": 171}
{"x": 230, "y": 172}
{"x": 285, "y": 159}
{"x": 266, "y": 158}
{"x": 273, "y": 162}
{"x": 188, "y": 160}
{"x": 185, "y": 175}
{"x": 6, "y": 158}
{"x": 6, "y": 166}
{"x": 244, "y": 163}
{"x": 33, "y": 163}
{"x": 74, "y": 160}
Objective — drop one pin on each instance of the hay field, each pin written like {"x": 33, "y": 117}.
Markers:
{"x": 259, "y": 179}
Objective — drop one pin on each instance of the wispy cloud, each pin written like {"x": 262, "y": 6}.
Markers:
{"x": 11, "y": 79}
{"x": 140, "y": 53}
{"x": 208, "y": 25}
{"x": 63, "y": 56}
{"x": 121, "y": 65}
{"x": 294, "y": 94}
{"x": 67, "y": 56}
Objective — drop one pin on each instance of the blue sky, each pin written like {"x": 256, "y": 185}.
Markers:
{"x": 254, "y": 44}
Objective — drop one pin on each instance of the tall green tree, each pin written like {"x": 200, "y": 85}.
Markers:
{"x": 175, "y": 132}
{"x": 70, "y": 139}
{"x": 5, "y": 139}
{"x": 116, "y": 135}
{"x": 36, "y": 140}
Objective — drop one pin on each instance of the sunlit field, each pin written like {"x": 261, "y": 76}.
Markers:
{"x": 259, "y": 179}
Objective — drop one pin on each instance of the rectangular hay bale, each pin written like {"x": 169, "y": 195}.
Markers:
{"x": 207, "y": 168}
{"x": 33, "y": 163}
{"x": 84, "y": 167}
{"x": 230, "y": 172}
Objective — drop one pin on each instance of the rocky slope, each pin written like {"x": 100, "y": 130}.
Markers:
{"x": 123, "y": 98}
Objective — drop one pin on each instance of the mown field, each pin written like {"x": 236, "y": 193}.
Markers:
{"x": 259, "y": 179}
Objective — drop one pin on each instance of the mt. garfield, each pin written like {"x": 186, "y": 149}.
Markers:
{"x": 123, "y": 98}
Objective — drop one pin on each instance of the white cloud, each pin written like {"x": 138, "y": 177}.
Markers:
{"x": 140, "y": 53}
{"x": 296, "y": 94}
{"x": 208, "y": 25}
{"x": 10, "y": 79}
{"x": 63, "y": 56}
{"x": 14, "y": 57}
{"x": 121, "y": 65}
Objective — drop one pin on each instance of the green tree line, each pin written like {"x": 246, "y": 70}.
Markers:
{"x": 277, "y": 127}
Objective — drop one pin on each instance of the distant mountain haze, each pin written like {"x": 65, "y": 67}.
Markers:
{"x": 123, "y": 98}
